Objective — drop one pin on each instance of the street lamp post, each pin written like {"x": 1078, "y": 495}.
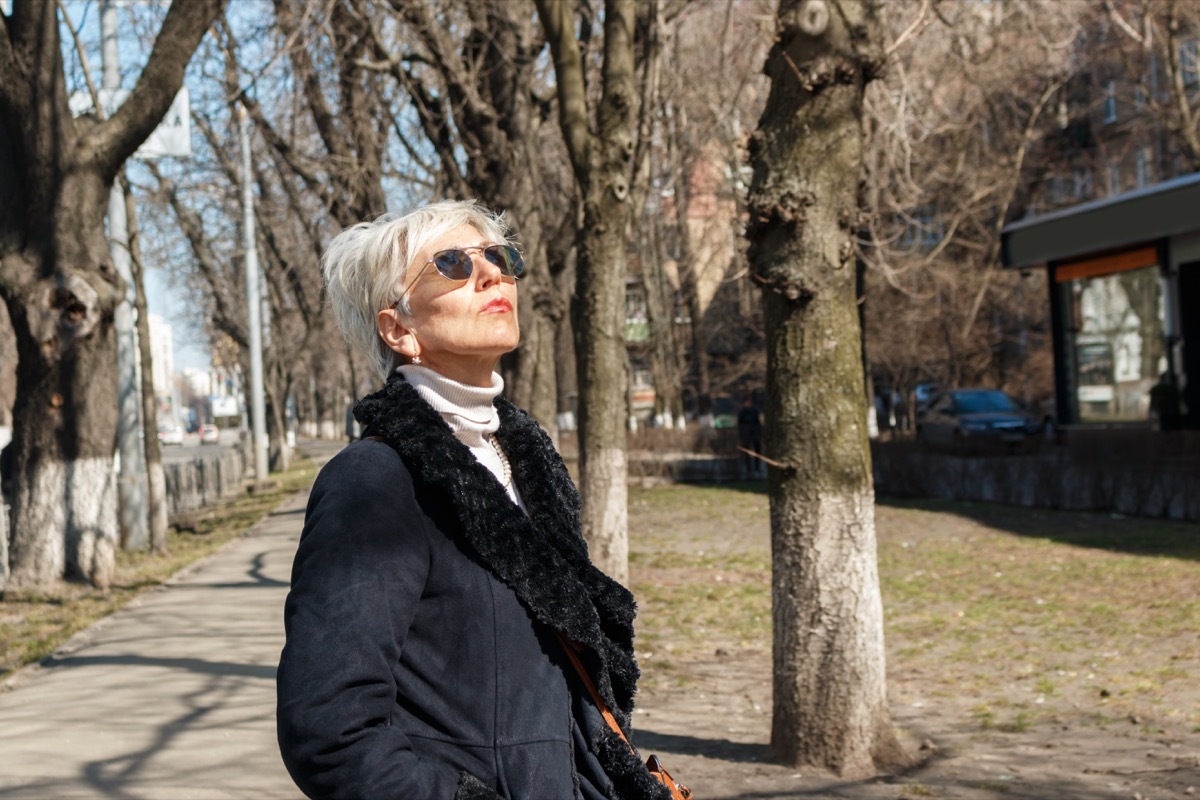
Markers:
{"x": 253, "y": 305}
{"x": 131, "y": 482}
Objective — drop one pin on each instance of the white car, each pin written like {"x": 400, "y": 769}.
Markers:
{"x": 210, "y": 434}
{"x": 170, "y": 434}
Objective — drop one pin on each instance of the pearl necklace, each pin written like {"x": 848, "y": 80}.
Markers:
{"x": 504, "y": 465}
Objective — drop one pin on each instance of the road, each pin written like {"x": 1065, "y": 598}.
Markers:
{"x": 191, "y": 447}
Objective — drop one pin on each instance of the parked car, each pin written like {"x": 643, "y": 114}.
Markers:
{"x": 961, "y": 417}
{"x": 924, "y": 394}
{"x": 210, "y": 434}
{"x": 170, "y": 434}
{"x": 724, "y": 413}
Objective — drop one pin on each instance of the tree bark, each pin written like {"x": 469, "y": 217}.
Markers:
{"x": 603, "y": 171}
{"x": 155, "y": 478}
{"x": 830, "y": 700}
{"x": 58, "y": 280}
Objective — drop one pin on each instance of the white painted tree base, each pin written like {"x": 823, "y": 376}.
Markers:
{"x": 65, "y": 523}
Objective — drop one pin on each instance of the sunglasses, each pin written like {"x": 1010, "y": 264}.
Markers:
{"x": 456, "y": 263}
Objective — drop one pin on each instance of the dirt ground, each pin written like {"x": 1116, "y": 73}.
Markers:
{"x": 1029, "y": 703}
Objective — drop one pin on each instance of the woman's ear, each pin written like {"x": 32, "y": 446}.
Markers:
{"x": 396, "y": 334}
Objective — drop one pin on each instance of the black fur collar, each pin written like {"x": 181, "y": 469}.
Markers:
{"x": 542, "y": 557}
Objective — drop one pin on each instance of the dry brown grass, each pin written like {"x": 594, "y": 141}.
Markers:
{"x": 1030, "y": 615}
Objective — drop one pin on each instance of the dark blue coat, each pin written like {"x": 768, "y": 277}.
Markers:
{"x": 422, "y": 657}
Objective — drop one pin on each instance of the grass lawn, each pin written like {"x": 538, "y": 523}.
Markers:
{"x": 1027, "y": 615}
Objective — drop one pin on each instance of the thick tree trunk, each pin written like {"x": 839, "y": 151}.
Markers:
{"x": 60, "y": 286}
{"x": 64, "y": 515}
{"x": 603, "y": 169}
{"x": 830, "y": 701}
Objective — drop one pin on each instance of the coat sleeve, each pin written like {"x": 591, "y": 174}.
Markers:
{"x": 359, "y": 572}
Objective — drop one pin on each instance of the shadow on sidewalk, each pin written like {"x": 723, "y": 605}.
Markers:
{"x": 197, "y": 665}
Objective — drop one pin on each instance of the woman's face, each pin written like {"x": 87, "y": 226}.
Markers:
{"x": 457, "y": 328}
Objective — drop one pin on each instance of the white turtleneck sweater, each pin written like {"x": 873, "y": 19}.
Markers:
{"x": 469, "y": 412}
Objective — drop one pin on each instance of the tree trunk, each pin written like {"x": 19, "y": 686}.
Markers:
{"x": 660, "y": 306}
{"x": 277, "y": 386}
{"x": 64, "y": 514}
{"x": 830, "y": 700}
{"x": 603, "y": 170}
{"x": 689, "y": 285}
{"x": 60, "y": 286}
{"x": 155, "y": 478}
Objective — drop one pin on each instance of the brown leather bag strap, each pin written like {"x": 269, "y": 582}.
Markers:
{"x": 569, "y": 646}
{"x": 656, "y": 770}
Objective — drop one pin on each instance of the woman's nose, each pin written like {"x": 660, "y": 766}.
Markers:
{"x": 486, "y": 273}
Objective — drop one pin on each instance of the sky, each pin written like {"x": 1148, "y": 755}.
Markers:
{"x": 165, "y": 302}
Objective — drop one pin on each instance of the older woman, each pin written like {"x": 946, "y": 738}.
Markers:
{"x": 441, "y": 572}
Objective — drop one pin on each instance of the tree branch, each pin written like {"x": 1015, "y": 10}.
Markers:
{"x": 1002, "y": 212}
{"x": 110, "y": 143}
{"x": 556, "y": 16}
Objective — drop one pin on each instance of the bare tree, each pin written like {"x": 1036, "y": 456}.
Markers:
{"x": 705, "y": 324}
{"x": 1150, "y": 51}
{"x": 156, "y": 480}
{"x": 830, "y": 699}
{"x": 60, "y": 286}
{"x": 601, "y": 157}
{"x": 969, "y": 125}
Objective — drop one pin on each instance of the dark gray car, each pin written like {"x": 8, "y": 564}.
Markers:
{"x": 960, "y": 417}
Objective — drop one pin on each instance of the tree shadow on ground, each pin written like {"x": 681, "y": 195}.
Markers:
{"x": 1101, "y": 530}
{"x": 1145, "y": 536}
{"x": 648, "y": 742}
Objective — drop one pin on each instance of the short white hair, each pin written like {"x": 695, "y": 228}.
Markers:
{"x": 365, "y": 268}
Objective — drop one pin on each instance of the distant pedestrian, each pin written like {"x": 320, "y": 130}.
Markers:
{"x": 749, "y": 426}
{"x": 1164, "y": 402}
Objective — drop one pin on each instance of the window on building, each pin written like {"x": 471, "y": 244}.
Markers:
{"x": 1139, "y": 96}
{"x": 637, "y": 317}
{"x": 1081, "y": 183}
{"x": 1143, "y": 167}
{"x": 1110, "y": 102}
{"x": 1116, "y": 339}
{"x": 1189, "y": 61}
{"x": 923, "y": 228}
{"x": 1114, "y": 179}
{"x": 682, "y": 316}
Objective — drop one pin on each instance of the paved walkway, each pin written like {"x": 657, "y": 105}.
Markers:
{"x": 174, "y": 696}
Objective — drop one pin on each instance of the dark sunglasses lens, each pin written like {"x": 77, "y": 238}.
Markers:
{"x": 507, "y": 258}
{"x": 453, "y": 264}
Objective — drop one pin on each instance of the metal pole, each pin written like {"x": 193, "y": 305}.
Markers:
{"x": 131, "y": 481}
{"x": 253, "y": 307}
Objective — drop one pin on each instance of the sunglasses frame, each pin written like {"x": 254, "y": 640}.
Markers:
{"x": 467, "y": 260}
{"x": 514, "y": 270}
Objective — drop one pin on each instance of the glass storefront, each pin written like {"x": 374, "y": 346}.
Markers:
{"x": 1117, "y": 342}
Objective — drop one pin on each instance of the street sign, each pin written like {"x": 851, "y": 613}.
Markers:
{"x": 224, "y": 406}
{"x": 171, "y": 139}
